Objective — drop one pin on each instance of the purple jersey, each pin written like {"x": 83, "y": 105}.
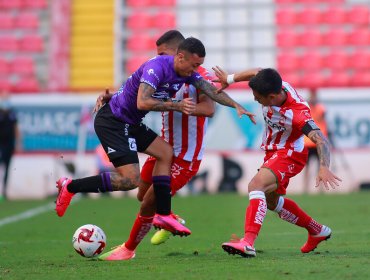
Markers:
{"x": 159, "y": 73}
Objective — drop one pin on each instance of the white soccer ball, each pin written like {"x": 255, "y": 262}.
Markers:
{"x": 89, "y": 241}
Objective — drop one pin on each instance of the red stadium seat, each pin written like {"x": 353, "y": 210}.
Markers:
{"x": 6, "y": 21}
{"x": 134, "y": 63}
{"x": 311, "y": 61}
{"x": 287, "y": 62}
{"x": 293, "y": 78}
{"x": 139, "y": 20}
{"x": 360, "y": 60}
{"x": 311, "y": 38}
{"x": 361, "y": 78}
{"x": 32, "y": 43}
{"x": 5, "y": 84}
{"x": 286, "y": 16}
{"x": 287, "y": 38}
{"x": 285, "y": 1}
{"x": 338, "y": 79}
{"x": 23, "y": 66}
{"x": 10, "y": 4}
{"x": 336, "y": 37}
{"x": 164, "y": 20}
{"x": 9, "y": 43}
{"x": 164, "y": 3}
{"x": 314, "y": 79}
{"x": 35, "y": 4}
{"x": 309, "y": 15}
{"x": 359, "y": 15}
{"x": 140, "y": 42}
{"x": 4, "y": 67}
{"x": 27, "y": 84}
{"x": 336, "y": 60}
{"x": 334, "y": 15}
{"x": 360, "y": 37}
{"x": 27, "y": 21}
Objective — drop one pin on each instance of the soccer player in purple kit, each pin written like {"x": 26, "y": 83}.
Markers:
{"x": 121, "y": 132}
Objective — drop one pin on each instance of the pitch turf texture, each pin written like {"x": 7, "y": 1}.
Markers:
{"x": 40, "y": 247}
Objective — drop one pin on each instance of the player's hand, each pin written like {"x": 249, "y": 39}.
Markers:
{"x": 102, "y": 99}
{"x": 326, "y": 177}
{"x": 187, "y": 106}
{"x": 221, "y": 78}
{"x": 242, "y": 111}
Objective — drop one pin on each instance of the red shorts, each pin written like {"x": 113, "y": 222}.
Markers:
{"x": 285, "y": 164}
{"x": 181, "y": 172}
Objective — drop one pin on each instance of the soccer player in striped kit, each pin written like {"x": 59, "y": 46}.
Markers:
{"x": 287, "y": 119}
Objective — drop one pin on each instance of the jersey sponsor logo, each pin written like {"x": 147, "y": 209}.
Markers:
{"x": 166, "y": 85}
{"x": 142, "y": 80}
{"x": 132, "y": 144}
{"x": 110, "y": 150}
{"x": 274, "y": 125}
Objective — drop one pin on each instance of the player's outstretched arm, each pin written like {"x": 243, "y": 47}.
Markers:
{"x": 225, "y": 79}
{"x": 222, "y": 98}
{"x": 323, "y": 150}
{"x": 146, "y": 102}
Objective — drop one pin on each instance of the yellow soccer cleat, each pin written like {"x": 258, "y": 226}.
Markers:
{"x": 160, "y": 237}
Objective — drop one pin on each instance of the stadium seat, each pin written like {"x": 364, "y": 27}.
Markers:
{"x": 313, "y": 79}
{"x": 9, "y": 43}
{"x": 164, "y": 20}
{"x": 338, "y": 79}
{"x": 22, "y": 66}
{"x": 334, "y": 15}
{"x": 312, "y": 61}
{"x": 311, "y": 38}
{"x": 35, "y": 4}
{"x": 286, "y": 16}
{"x": 4, "y": 67}
{"x": 10, "y": 4}
{"x": 286, "y": 38}
{"x": 336, "y": 37}
{"x": 5, "y": 84}
{"x": 32, "y": 43}
{"x": 140, "y": 42}
{"x": 134, "y": 62}
{"x": 287, "y": 62}
{"x": 139, "y": 20}
{"x": 26, "y": 84}
{"x": 360, "y": 60}
{"x": 138, "y": 3}
{"x": 336, "y": 60}
{"x": 293, "y": 78}
{"x": 309, "y": 15}
{"x": 360, "y": 37}
{"x": 27, "y": 21}
{"x": 164, "y": 3}
{"x": 359, "y": 15}
{"x": 361, "y": 78}
{"x": 6, "y": 21}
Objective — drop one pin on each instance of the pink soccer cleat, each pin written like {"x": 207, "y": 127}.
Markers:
{"x": 314, "y": 240}
{"x": 168, "y": 222}
{"x": 240, "y": 247}
{"x": 119, "y": 253}
{"x": 64, "y": 196}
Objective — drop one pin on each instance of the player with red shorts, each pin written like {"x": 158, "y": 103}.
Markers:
{"x": 287, "y": 119}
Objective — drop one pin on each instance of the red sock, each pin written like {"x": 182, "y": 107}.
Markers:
{"x": 140, "y": 228}
{"x": 254, "y": 216}
{"x": 289, "y": 211}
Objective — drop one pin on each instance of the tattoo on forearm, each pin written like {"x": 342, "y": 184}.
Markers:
{"x": 120, "y": 183}
{"x": 322, "y": 146}
{"x": 209, "y": 89}
{"x": 157, "y": 104}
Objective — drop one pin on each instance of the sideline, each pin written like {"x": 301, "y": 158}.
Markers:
{"x": 32, "y": 212}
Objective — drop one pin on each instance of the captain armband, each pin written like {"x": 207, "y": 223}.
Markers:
{"x": 309, "y": 126}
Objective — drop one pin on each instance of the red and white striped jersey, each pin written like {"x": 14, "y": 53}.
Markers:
{"x": 283, "y": 125}
{"x": 186, "y": 133}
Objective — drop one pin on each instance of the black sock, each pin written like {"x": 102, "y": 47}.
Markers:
{"x": 162, "y": 190}
{"x": 93, "y": 184}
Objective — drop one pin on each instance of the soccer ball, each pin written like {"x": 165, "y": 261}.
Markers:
{"x": 89, "y": 240}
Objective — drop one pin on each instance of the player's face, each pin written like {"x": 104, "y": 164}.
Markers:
{"x": 187, "y": 63}
{"x": 263, "y": 100}
{"x": 165, "y": 49}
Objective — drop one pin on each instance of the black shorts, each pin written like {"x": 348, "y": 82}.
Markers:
{"x": 121, "y": 141}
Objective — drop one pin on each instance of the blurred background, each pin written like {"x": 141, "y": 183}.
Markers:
{"x": 57, "y": 56}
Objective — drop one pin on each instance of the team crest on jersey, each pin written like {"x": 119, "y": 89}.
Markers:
{"x": 291, "y": 167}
{"x": 306, "y": 113}
{"x": 175, "y": 87}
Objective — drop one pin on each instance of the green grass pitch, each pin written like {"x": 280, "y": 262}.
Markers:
{"x": 40, "y": 247}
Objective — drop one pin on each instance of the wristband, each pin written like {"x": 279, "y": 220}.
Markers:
{"x": 230, "y": 79}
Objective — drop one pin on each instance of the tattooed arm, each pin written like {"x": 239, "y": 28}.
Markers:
{"x": 222, "y": 98}
{"x": 323, "y": 150}
{"x": 146, "y": 102}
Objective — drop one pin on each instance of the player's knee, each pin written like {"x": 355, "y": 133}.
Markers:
{"x": 127, "y": 183}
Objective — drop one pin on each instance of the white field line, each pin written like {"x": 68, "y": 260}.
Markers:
{"x": 31, "y": 213}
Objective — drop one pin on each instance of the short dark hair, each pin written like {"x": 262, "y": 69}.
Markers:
{"x": 170, "y": 37}
{"x": 193, "y": 45}
{"x": 266, "y": 81}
